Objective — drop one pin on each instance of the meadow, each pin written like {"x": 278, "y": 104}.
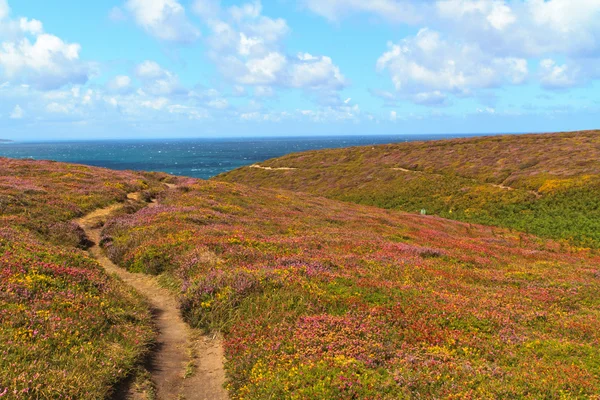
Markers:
{"x": 544, "y": 184}
{"x": 67, "y": 329}
{"x": 321, "y": 299}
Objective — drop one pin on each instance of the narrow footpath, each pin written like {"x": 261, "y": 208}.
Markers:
{"x": 185, "y": 364}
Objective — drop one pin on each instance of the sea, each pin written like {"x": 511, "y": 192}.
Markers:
{"x": 198, "y": 158}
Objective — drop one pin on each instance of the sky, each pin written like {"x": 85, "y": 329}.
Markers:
{"x": 73, "y": 69}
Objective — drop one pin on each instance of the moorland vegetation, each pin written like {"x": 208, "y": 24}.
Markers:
{"x": 544, "y": 184}
{"x": 320, "y": 299}
{"x": 67, "y": 329}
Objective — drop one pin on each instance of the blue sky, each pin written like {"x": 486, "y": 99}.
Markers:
{"x": 209, "y": 68}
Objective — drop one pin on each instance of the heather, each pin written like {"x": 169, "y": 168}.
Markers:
{"x": 44, "y": 196}
{"x": 547, "y": 185}
{"x": 324, "y": 299}
{"x": 67, "y": 329}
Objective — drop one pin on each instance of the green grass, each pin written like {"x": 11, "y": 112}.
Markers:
{"x": 547, "y": 185}
{"x": 323, "y": 299}
{"x": 67, "y": 329}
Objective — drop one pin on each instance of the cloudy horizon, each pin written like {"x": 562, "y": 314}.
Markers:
{"x": 207, "y": 68}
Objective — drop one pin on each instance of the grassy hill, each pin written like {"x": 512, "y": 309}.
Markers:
{"x": 67, "y": 329}
{"x": 546, "y": 184}
{"x": 322, "y": 299}
{"x": 316, "y": 298}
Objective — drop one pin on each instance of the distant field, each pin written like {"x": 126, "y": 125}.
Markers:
{"x": 67, "y": 330}
{"x": 547, "y": 184}
{"x": 321, "y": 299}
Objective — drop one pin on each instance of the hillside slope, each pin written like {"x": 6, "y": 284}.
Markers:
{"x": 546, "y": 184}
{"x": 67, "y": 329}
{"x": 322, "y": 299}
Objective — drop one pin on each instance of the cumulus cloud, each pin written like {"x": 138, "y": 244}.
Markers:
{"x": 156, "y": 104}
{"x": 120, "y": 84}
{"x": 245, "y": 45}
{"x": 533, "y": 29}
{"x": 164, "y": 19}
{"x": 392, "y": 10}
{"x": 494, "y": 14}
{"x": 525, "y": 28}
{"x": 57, "y": 108}
{"x": 17, "y": 112}
{"x": 264, "y": 91}
{"x": 265, "y": 70}
{"x": 426, "y": 68}
{"x": 158, "y": 81}
{"x": 4, "y": 9}
{"x": 191, "y": 113}
{"x": 519, "y": 27}
{"x": 248, "y": 49}
{"x": 554, "y": 76}
{"x": 150, "y": 70}
{"x": 508, "y": 32}
{"x": 314, "y": 72}
{"x": 29, "y": 55}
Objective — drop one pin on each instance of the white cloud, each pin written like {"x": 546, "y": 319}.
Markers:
{"x": 4, "y": 9}
{"x": 487, "y": 110}
{"x": 163, "y": 19}
{"x": 426, "y": 68}
{"x": 507, "y": 32}
{"x": 392, "y": 10}
{"x": 316, "y": 72}
{"x": 332, "y": 114}
{"x": 30, "y": 56}
{"x": 192, "y": 113}
{"x": 57, "y": 108}
{"x": 17, "y": 112}
{"x": 156, "y": 104}
{"x": 150, "y": 70}
{"x": 157, "y": 80}
{"x": 432, "y": 98}
{"x": 393, "y": 116}
{"x": 493, "y": 13}
{"x": 328, "y": 114}
{"x": 247, "y": 44}
{"x": 46, "y": 63}
{"x": 218, "y": 103}
{"x": 501, "y": 16}
{"x": 264, "y": 91}
{"x": 263, "y": 71}
{"x": 247, "y": 47}
{"x": 207, "y": 8}
{"x": 120, "y": 84}
{"x": 554, "y": 76}
{"x": 525, "y": 28}
{"x": 564, "y": 15}
{"x": 239, "y": 90}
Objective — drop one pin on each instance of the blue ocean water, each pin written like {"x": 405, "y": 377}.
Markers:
{"x": 198, "y": 158}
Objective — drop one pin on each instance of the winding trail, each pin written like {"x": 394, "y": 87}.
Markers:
{"x": 272, "y": 168}
{"x": 185, "y": 364}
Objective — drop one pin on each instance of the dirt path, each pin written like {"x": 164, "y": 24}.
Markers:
{"x": 272, "y": 168}
{"x": 185, "y": 364}
{"x": 499, "y": 186}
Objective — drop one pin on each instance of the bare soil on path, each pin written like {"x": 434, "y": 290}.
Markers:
{"x": 185, "y": 365}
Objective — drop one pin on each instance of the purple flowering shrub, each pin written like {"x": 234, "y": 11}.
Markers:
{"x": 321, "y": 299}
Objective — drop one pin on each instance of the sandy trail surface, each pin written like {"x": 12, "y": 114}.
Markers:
{"x": 185, "y": 365}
